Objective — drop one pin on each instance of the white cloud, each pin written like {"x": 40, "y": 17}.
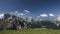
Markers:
{"x": 43, "y": 15}
{"x": 58, "y": 18}
{"x": 11, "y": 12}
{"x": 16, "y": 12}
{"x": 38, "y": 16}
{"x": 30, "y": 17}
{"x": 21, "y": 13}
{"x": 1, "y": 16}
{"x": 51, "y": 15}
{"x": 26, "y": 11}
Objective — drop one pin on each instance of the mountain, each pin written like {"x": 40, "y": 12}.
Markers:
{"x": 8, "y": 21}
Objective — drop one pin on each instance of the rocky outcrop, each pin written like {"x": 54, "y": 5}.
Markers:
{"x": 12, "y": 22}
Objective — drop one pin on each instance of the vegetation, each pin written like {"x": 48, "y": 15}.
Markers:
{"x": 18, "y": 25}
{"x": 31, "y": 31}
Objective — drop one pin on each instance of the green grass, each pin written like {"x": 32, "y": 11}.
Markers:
{"x": 31, "y": 31}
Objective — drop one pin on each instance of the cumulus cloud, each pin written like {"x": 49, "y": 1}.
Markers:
{"x": 1, "y": 16}
{"x": 26, "y": 11}
{"x": 21, "y": 13}
{"x": 43, "y": 15}
{"x": 51, "y": 14}
{"x": 58, "y": 18}
{"x": 16, "y": 12}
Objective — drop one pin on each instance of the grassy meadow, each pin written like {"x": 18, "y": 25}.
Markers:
{"x": 31, "y": 31}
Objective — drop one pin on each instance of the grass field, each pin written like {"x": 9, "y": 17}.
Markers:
{"x": 31, "y": 31}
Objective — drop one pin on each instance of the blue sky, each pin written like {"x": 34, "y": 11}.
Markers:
{"x": 36, "y": 7}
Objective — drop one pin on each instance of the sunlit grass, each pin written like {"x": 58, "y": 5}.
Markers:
{"x": 31, "y": 31}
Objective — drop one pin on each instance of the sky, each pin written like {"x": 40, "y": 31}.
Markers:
{"x": 31, "y": 7}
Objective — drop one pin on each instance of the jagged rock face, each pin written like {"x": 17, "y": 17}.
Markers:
{"x": 11, "y": 23}
{"x": 6, "y": 16}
